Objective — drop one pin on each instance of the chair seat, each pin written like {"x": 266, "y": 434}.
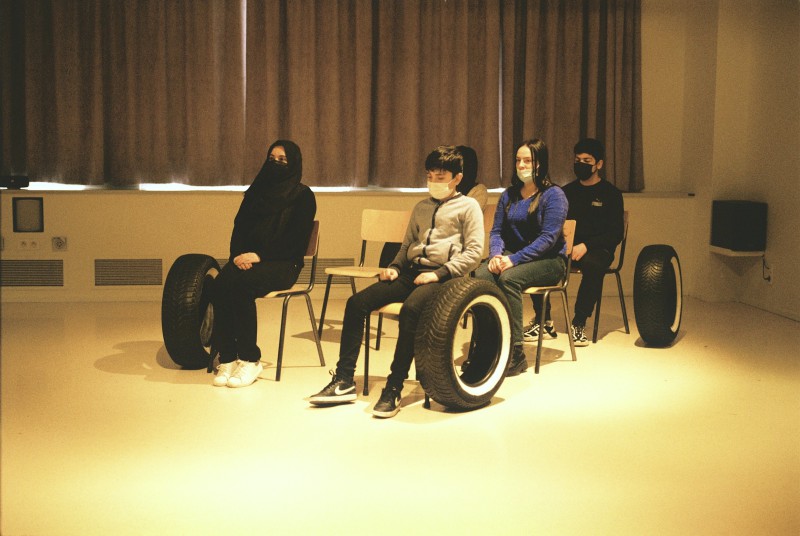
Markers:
{"x": 539, "y": 290}
{"x": 390, "y": 309}
{"x": 295, "y": 289}
{"x": 354, "y": 271}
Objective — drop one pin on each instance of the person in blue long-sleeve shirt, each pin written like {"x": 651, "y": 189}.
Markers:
{"x": 526, "y": 246}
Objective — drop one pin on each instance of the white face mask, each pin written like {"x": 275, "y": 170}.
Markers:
{"x": 525, "y": 175}
{"x": 439, "y": 190}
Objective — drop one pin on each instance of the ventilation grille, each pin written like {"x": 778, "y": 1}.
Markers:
{"x": 32, "y": 273}
{"x": 122, "y": 272}
{"x": 322, "y": 277}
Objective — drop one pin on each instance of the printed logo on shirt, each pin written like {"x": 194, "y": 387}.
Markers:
{"x": 597, "y": 203}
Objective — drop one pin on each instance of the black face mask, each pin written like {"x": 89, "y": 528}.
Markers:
{"x": 277, "y": 171}
{"x": 583, "y": 170}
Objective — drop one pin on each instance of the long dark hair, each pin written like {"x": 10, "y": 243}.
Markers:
{"x": 541, "y": 168}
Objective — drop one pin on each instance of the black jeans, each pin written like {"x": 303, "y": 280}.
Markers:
{"x": 593, "y": 267}
{"x": 234, "y": 297}
{"x": 402, "y": 289}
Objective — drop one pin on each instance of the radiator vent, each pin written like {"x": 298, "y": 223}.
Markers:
{"x": 322, "y": 277}
{"x": 32, "y": 273}
{"x": 122, "y": 272}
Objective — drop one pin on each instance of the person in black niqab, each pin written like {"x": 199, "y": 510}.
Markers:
{"x": 269, "y": 238}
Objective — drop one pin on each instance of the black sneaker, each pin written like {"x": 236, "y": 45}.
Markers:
{"x": 340, "y": 390}
{"x": 578, "y": 336}
{"x": 517, "y": 364}
{"x": 389, "y": 403}
{"x": 531, "y": 332}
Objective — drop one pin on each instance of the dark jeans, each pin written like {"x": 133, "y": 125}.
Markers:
{"x": 593, "y": 267}
{"x": 234, "y": 297}
{"x": 359, "y": 305}
{"x": 516, "y": 279}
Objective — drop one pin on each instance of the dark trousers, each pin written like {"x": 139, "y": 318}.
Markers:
{"x": 359, "y": 305}
{"x": 593, "y": 268}
{"x": 234, "y": 298}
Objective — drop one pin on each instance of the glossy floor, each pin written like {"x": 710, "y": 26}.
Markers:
{"x": 102, "y": 434}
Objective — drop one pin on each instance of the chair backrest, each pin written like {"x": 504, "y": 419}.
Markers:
{"x": 312, "y": 250}
{"x": 313, "y": 241}
{"x": 569, "y": 235}
{"x": 384, "y": 225}
{"x": 621, "y": 257}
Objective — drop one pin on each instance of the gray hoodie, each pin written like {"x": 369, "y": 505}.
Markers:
{"x": 443, "y": 236}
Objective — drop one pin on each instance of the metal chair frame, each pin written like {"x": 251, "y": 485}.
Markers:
{"x": 312, "y": 251}
{"x": 560, "y": 288}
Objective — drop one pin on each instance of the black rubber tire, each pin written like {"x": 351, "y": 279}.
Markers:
{"x": 489, "y": 345}
{"x": 658, "y": 294}
{"x": 187, "y": 316}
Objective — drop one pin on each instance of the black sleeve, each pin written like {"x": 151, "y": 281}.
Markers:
{"x": 292, "y": 241}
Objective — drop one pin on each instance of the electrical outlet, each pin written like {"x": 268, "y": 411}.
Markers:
{"x": 33, "y": 244}
{"x": 23, "y": 244}
{"x": 771, "y": 271}
{"x": 59, "y": 243}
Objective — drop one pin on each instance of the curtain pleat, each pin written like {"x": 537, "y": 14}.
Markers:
{"x": 572, "y": 70}
{"x": 120, "y": 92}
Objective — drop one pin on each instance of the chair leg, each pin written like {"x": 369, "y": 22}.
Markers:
{"x": 313, "y": 330}
{"x": 597, "y": 313}
{"x": 324, "y": 305}
{"x": 366, "y": 357}
{"x": 378, "y": 336}
{"x": 280, "y": 340}
{"x": 622, "y": 303}
{"x": 427, "y": 403}
{"x": 565, "y": 302}
{"x": 545, "y": 301}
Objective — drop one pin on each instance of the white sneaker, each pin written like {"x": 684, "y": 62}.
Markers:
{"x": 224, "y": 372}
{"x": 246, "y": 374}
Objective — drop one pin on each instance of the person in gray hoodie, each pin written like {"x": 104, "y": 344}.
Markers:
{"x": 443, "y": 240}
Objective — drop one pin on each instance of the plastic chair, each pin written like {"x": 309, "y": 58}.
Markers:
{"x": 615, "y": 269}
{"x": 561, "y": 288}
{"x": 300, "y": 290}
{"x": 376, "y": 226}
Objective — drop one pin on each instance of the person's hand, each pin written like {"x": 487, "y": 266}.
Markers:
{"x": 578, "y": 251}
{"x": 426, "y": 277}
{"x": 388, "y": 274}
{"x": 245, "y": 261}
{"x": 499, "y": 264}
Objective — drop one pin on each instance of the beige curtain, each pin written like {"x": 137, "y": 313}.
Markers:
{"x": 572, "y": 69}
{"x": 119, "y": 92}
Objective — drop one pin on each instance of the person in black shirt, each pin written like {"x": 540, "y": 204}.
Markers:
{"x": 270, "y": 235}
{"x": 597, "y": 206}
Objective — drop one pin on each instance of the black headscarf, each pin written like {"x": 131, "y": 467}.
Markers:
{"x": 277, "y": 184}
{"x": 263, "y": 212}
{"x": 470, "y": 167}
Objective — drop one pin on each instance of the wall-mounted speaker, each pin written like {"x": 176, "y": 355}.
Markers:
{"x": 739, "y": 225}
